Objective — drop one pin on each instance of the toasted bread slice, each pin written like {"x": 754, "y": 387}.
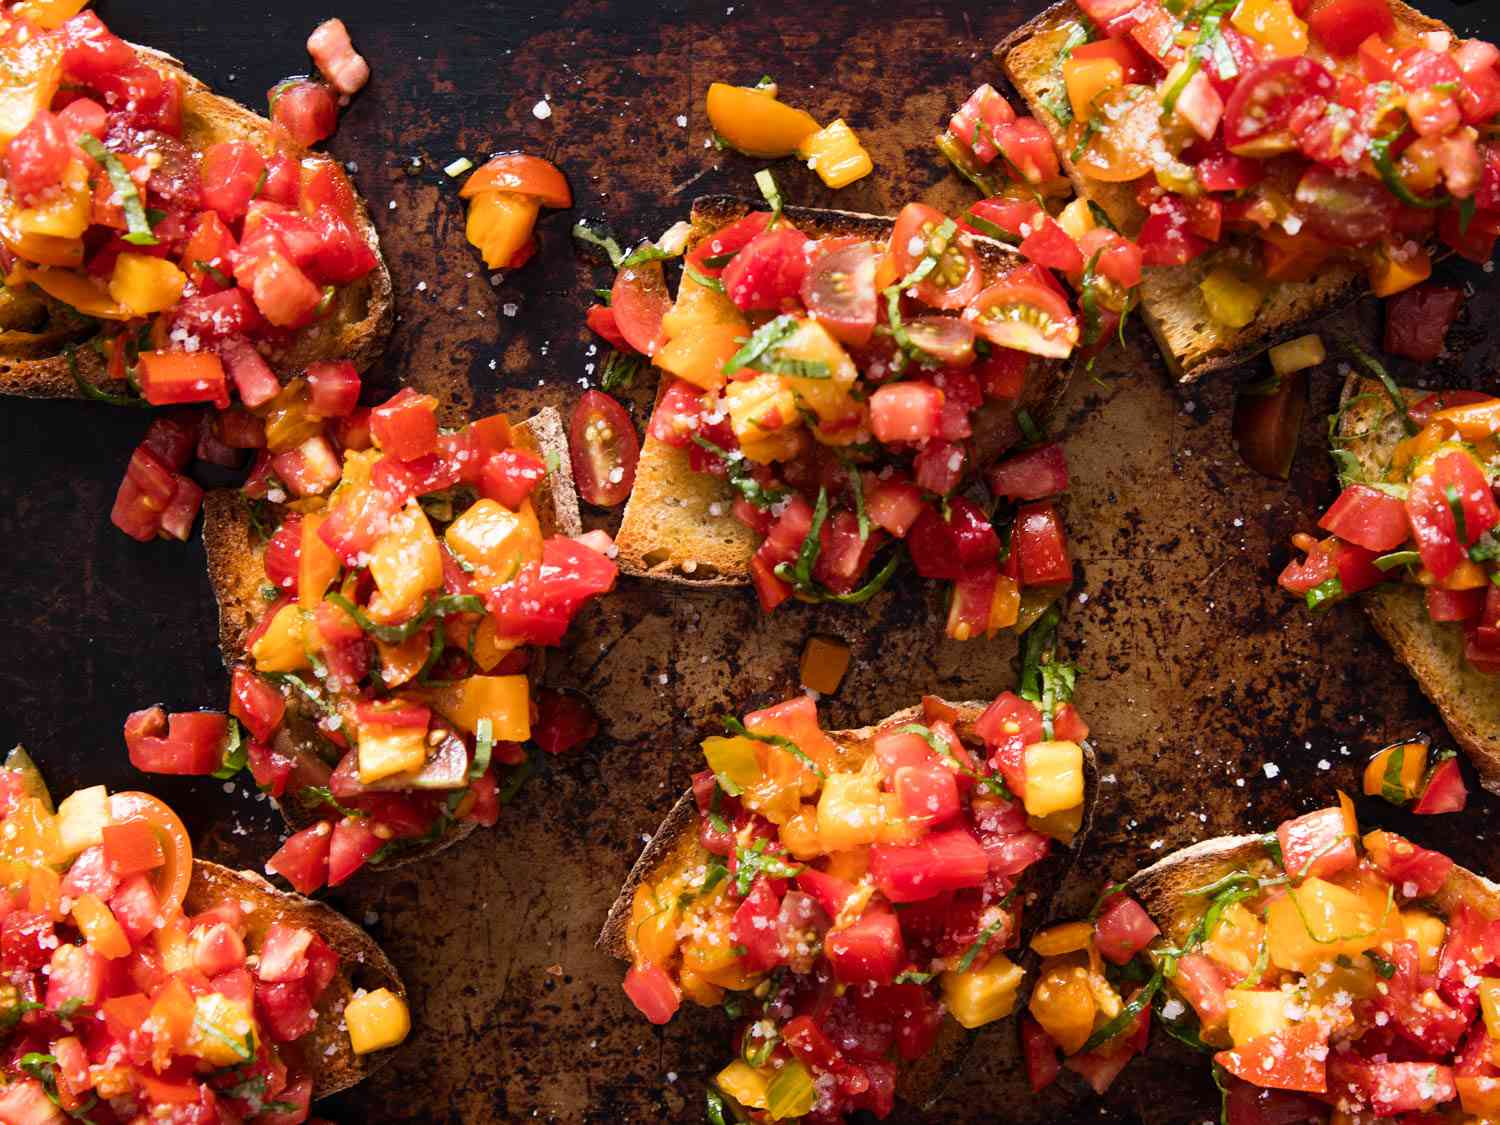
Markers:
{"x": 675, "y": 845}
{"x": 1162, "y": 888}
{"x": 36, "y": 363}
{"x": 677, "y": 524}
{"x": 237, "y": 574}
{"x": 326, "y": 1053}
{"x": 1191, "y": 343}
{"x": 1369, "y": 428}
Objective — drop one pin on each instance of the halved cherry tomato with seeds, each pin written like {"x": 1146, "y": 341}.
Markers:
{"x": 1025, "y": 316}
{"x": 956, "y": 277}
{"x": 839, "y": 292}
{"x": 604, "y": 449}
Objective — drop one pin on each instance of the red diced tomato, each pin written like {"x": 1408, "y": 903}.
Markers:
{"x": 132, "y": 847}
{"x": 943, "y": 861}
{"x": 1032, "y": 475}
{"x": 136, "y": 907}
{"x": 755, "y": 927}
{"x": 927, "y": 793}
{"x": 769, "y": 270}
{"x": 906, "y": 412}
{"x": 893, "y": 504}
{"x": 1417, "y": 320}
{"x": 190, "y": 742}
{"x": 75, "y": 974}
{"x": 1041, "y": 545}
{"x": 303, "y": 859}
{"x": 1445, "y": 791}
{"x": 939, "y": 466}
{"x": 231, "y": 170}
{"x": 306, "y": 109}
{"x": 652, "y": 991}
{"x": 1316, "y": 844}
{"x": 1388, "y": 1088}
{"x": 1368, "y": 518}
{"x": 977, "y": 119}
{"x": 1040, "y": 1052}
{"x": 1203, "y": 986}
{"x": 334, "y": 389}
{"x": 255, "y": 703}
{"x": 37, "y": 156}
{"x": 511, "y": 475}
{"x": 870, "y": 951}
{"x": 168, "y": 378}
{"x": 1342, "y": 25}
{"x": 405, "y": 426}
{"x": 1050, "y": 246}
{"x": 1123, "y": 929}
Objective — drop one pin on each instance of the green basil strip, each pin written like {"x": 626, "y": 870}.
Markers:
{"x": 857, "y": 487}
{"x": 1376, "y": 368}
{"x": 93, "y": 393}
{"x": 484, "y": 745}
{"x": 596, "y": 234}
{"x": 1089, "y": 299}
{"x": 1398, "y": 558}
{"x": 707, "y": 282}
{"x": 1127, "y": 1017}
{"x": 762, "y": 340}
{"x": 812, "y": 545}
{"x": 1380, "y": 156}
{"x": 1035, "y": 650}
{"x": 311, "y": 796}
{"x": 647, "y": 252}
{"x": 1029, "y": 429}
{"x": 1105, "y": 895}
{"x": 518, "y": 776}
{"x": 715, "y": 1107}
{"x": 989, "y": 229}
{"x": 395, "y": 634}
{"x": 1324, "y": 594}
{"x": 979, "y": 943}
{"x": 138, "y": 225}
{"x": 869, "y": 589}
{"x": 734, "y": 726}
{"x": 1390, "y": 781}
{"x": 234, "y": 755}
{"x": 1456, "y": 505}
{"x": 957, "y": 155}
{"x": 740, "y": 475}
{"x": 767, "y": 184}
{"x": 773, "y": 364}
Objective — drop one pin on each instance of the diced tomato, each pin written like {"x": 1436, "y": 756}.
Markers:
{"x": 927, "y": 793}
{"x": 131, "y": 847}
{"x": 75, "y": 974}
{"x": 306, "y": 109}
{"x": 1123, "y": 929}
{"x": 1027, "y": 146}
{"x": 1166, "y": 237}
{"x": 1471, "y": 949}
{"x": 334, "y": 389}
{"x": 1050, "y": 246}
{"x": 303, "y": 859}
{"x": 943, "y": 548}
{"x": 511, "y": 475}
{"x": 1040, "y": 1052}
{"x": 831, "y": 892}
{"x": 563, "y": 721}
{"x": 231, "y": 170}
{"x": 168, "y": 378}
{"x": 1032, "y": 475}
{"x": 1417, "y": 320}
{"x": 1388, "y": 1088}
{"x": 136, "y": 907}
{"x": 893, "y": 504}
{"x": 1258, "y": 114}
{"x": 91, "y": 50}
{"x": 870, "y": 951}
{"x": 677, "y": 414}
{"x": 405, "y": 426}
{"x": 1041, "y": 545}
{"x": 1203, "y": 986}
{"x": 1316, "y": 844}
{"x": 37, "y": 156}
{"x": 1101, "y": 1066}
{"x": 541, "y": 601}
{"x": 754, "y": 927}
{"x": 217, "y": 317}
{"x": 342, "y": 254}
{"x": 942, "y": 861}
{"x": 1406, "y": 864}
{"x": 653, "y": 991}
{"x": 1454, "y": 605}
{"x": 1342, "y": 25}
{"x": 284, "y": 294}
{"x": 905, "y": 412}
{"x": 1368, "y": 518}
{"x": 1283, "y": 1060}
{"x": 190, "y": 742}
{"x": 1445, "y": 791}
{"x": 639, "y": 300}
{"x": 977, "y": 119}
{"x": 285, "y": 1009}
{"x": 711, "y": 255}
{"x": 283, "y": 181}
{"x": 769, "y": 270}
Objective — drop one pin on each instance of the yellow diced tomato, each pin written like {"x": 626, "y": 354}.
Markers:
{"x": 1068, "y": 937}
{"x": 744, "y": 1084}
{"x": 402, "y": 662}
{"x": 753, "y": 122}
{"x": 699, "y": 357}
{"x": 1297, "y": 355}
{"x": 1231, "y": 299}
{"x": 504, "y": 700}
{"x": 1236, "y": 942}
{"x": 733, "y": 760}
{"x": 850, "y": 813}
{"x": 1273, "y": 24}
{"x": 499, "y": 225}
{"x": 763, "y": 413}
{"x": 406, "y": 562}
{"x": 144, "y": 284}
{"x": 1064, "y": 1004}
{"x": 376, "y": 1020}
{"x": 791, "y": 1095}
{"x": 652, "y": 936}
{"x": 1390, "y": 274}
{"x": 30, "y": 74}
{"x": 828, "y": 397}
{"x": 31, "y": 835}
{"x": 317, "y": 566}
{"x": 1005, "y": 605}
{"x": 220, "y": 1030}
{"x": 1480, "y": 1097}
{"x": 983, "y": 995}
{"x": 836, "y": 155}
{"x": 171, "y": 1020}
{"x": 1396, "y": 772}
{"x": 824, "y": 662}
{"x": 1076, "y": 219}
{"x": 86, "y": 294}
{"x": 699, "y": 990}
{"x": 1253, "y": 1013}
{"x": 800, "y": 834}
{"x": 495, "y": 541}
{"x": 1054, "y": 777}
{"x": 44, "y": 892}
{"x": 709, "y": 952}
{"x": 66, "y": 213}
{"x": 96, "y": 921}
{"x": 850, "y": 865}
{"x": 1086, "y": 79}
{"x": 387, "y": 750}
{"x": 489, "y": 646}
{"x": 50, "y": 13}
{"x": 1319, "y": 920}
{"x": 1473, "y": 421}
{"x": 81, "y": 818}
{"x": 1429, "y": 932}
{"x": 1489, "y": 1004}
{"x": 280, "y": 648}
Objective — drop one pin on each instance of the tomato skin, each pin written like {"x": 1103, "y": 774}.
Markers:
{"x": 677, "y": 414}
{"x": 653, "y": 992}
{"x": 1445, "y": 791}
{"x": 543, "y": 598}
{"x": 601, "y": 320}
{"x": 1316, "y": 844}
{"x": 870, "y": 951}
{"x": 1342, "y": 25}
{"x": 1166, "y": 237}
{"x": 1417, "y": 320}
{"x": 604, "y": 449}
{"x": 255, "y": 703}
{"x": 522, "y": 174}
{"x": 639, "y": 300}
{"x": 769, "y": 270}
{"x": 306, "y": 109}
{"x": 1266, "y": 426}
{"x": 943, "y": 548}
{"x": 350, "y": 848}
{"x": 303, "y": 859}
{"x": 754, "y": 926}
{"x": 1454, "y": 605}
{"x": 1258, "y": 114}
{"x": 1041, "y": 545}
{"x": 726, "y": 243}
{"x": 1367, "y": 517}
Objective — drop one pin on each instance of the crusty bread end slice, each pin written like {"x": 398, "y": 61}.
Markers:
{"x": 675, "y": 845}
{"x": 1469, "y": 700}
{"x": 1191, "y": 343}
{"x": 677, "y": 524}
{"x": 356, "y": 328}
{"x": 237, "y": 574}
{"x": 326, "y": 1053}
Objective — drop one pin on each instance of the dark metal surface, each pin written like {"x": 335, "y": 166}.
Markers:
{"x": 1216, "y": 703}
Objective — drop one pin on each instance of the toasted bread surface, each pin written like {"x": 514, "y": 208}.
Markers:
{"x": 356, "y": 328}
{"x": 1469, "y": 700}
{"x": 677, "y": 524}
{"x": 237, "y": 573}
{"x": 675, "y": 844}
{"x": 1191, "y": 342}
{"x": 326, "y": 1052}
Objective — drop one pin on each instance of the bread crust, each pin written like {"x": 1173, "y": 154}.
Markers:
{"x": 355, "y": 329}
{"x": 1191, "y": 344}
{"x": 675, "y": 843}
{"x": 326, "y": 1052}
{"x": 237, "y": 573}
{"x": 1468, "y": 700}
{"x": 677, "y": 525}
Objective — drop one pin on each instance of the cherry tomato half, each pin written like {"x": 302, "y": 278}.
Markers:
{"x": 640, "y": 300}
{"x": 522, "y": 174}
{"x": 839, "y": 291}
{"x": 173, "y": 877}
{"x": 1027, "y": 317}
{"x": 957, "y": 276}
{"x": 946, "y": 339}
{"x": 1351, "y": 210}
{"x": 604, "y": 449}
{"x": 1258, "y": 114}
